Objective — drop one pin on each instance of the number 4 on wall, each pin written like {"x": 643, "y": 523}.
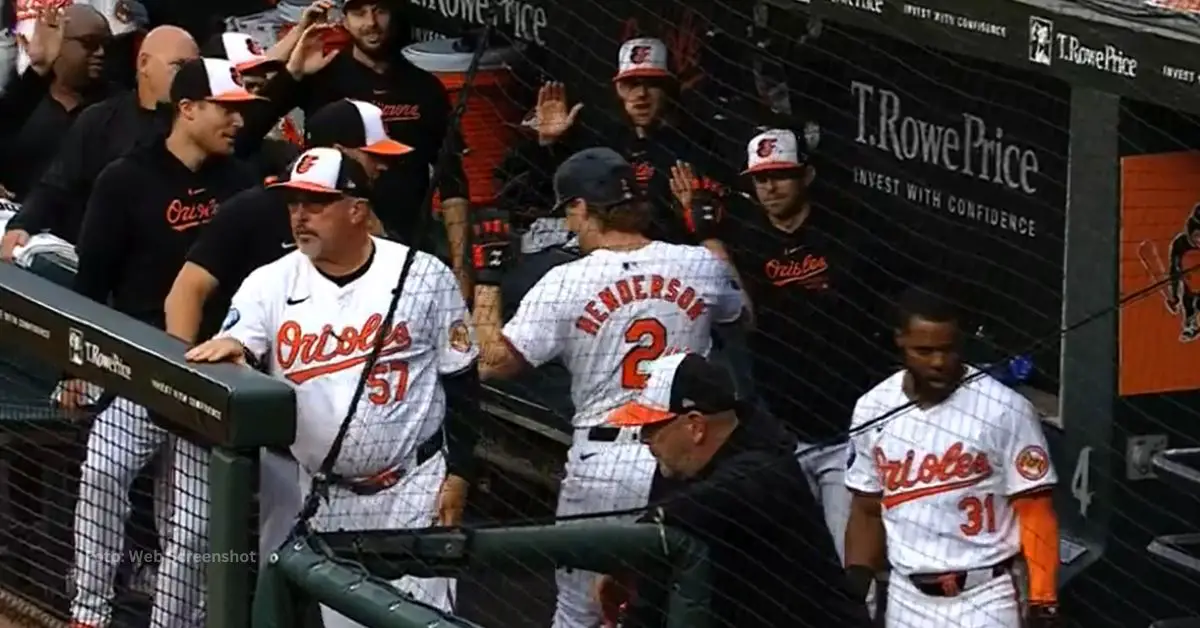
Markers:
{"x": 1081, "y": 481}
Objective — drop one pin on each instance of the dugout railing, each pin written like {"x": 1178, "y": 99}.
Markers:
{"x": 232, "y": 410}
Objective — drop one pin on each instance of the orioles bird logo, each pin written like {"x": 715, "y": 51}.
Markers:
{"x": 639, "y": 55}
{"x": 766, "y": 147}
{"x": 305, "y": 164}
{"x": 236, "y": 76}
{"x": 254, "y": 48}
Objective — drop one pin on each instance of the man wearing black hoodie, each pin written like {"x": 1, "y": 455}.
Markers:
{"x": 664, "y": 150}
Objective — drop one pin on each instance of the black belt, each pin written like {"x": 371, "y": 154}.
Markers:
{"x": 387, "y": 479}
{"x": 953, "y": 583}
{"x": 602, "y": 434}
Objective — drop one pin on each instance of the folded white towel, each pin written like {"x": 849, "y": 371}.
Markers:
{"x": 42, "y": 244}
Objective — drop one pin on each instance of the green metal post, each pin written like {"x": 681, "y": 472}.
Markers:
{"x": 232, "y": 478}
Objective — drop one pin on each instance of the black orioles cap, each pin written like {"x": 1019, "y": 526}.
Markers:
{"x": 599, "y": 176}
{"x": 213, "y": 80}
{"x": 678, "y": 384}
{"x": 352, "y": 124}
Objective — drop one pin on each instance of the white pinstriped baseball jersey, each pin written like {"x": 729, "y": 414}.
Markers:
{"x": 317, "y": 336}
{"x": 946, "y": 473}
{"x": 609, "y": 313}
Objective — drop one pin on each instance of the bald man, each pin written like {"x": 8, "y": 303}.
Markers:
{"x": 64, "y": 76}
{"x": 109, "y": 129}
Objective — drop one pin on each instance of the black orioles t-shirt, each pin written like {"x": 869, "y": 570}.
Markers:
{"x": 821, "y": 317}
{"x": 416, "y": 112}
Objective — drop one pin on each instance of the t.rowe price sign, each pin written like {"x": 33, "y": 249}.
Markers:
{"x": 968, "y": 146}
{"x": 959, "y": 165}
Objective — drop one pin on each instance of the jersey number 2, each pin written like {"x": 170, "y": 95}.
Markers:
{"x": 388, "y": 382}
{"x": 650, "y": 335}
{"x": 981, "y": 514}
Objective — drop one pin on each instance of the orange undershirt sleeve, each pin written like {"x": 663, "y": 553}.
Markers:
{"x": 1039, "y": 544}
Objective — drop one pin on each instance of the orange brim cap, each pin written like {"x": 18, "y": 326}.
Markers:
{"x": 773, "y": 166}
{"x": 306, "y": 186}
{"x": 634, "y": 414}
{"x": 250, "y": 64}
{"x": 234, "y": 95}
{"x": 642, "y": 73}
{"x": 388, "y": 148}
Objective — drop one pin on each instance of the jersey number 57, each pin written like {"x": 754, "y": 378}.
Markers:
{"x": 388, "y": 382}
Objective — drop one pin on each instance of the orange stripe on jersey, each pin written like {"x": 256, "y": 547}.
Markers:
{"x": 895, "y": 499}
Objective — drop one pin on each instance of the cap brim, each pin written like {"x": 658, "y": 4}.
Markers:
{"x": 634, "y": 414}
{"x": 642, "y": 73}
{"x": 387, "y": 148}
{"x": 306, "y": 186}
{"x": 252, "y": 64}
{"x": 774, "y": 166}
{"x": 233, "y": 96}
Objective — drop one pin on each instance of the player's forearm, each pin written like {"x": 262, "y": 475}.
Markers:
{"x": 463, "y": 419}
{"x": 1039, "y": 544}
{"x": 495, "y": 356}
{"x": 455, "y": 218}
{"x": 184, "y": 307}
{"x": 866, "y": 541}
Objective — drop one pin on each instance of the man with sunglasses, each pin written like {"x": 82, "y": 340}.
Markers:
{"x": 65, "y": 75}
{"x": 629, "y": 300}
{"x": 408, "y": 452}
{"x": 256, "y": 225}
{"x": 741, "y": 493}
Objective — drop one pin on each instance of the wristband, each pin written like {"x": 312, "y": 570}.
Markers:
{"x": 859, "y": 579}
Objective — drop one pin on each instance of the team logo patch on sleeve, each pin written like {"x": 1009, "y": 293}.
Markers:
{"x": 1033, "y": 463}
{"x": 231, "y": 319}
{"x": 460, "y": 337}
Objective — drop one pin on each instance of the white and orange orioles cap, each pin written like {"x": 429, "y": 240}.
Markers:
{"x": 678, "y": 384}
{"x": 213, "y": 80}
{"x": 774, "y": 149}
{"x": 239, "y": 49}
{"x": 643, "y": 57}
{"x": 326, "y": 171}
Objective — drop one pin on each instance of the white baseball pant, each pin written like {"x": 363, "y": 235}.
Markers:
{"x": 180, "y": 586}
{"x": 122, "y": 441}
{"x": 993, "y": 603}
{"x": 825, "y": 468}
{"x": 412, "y": 503}
{"x": 600, "y": 476}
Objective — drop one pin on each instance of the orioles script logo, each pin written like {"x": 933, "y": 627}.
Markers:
{"x": 766, "y": 147}
{"x": 330, "y": 352}
{"x": 182, "y": 217}
{"x": 807, "y": 270}
{"x": 400, "y": 112}
{"x": 905, "y": 480}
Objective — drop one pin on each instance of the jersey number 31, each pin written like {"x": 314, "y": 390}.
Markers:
{"x": 388, "y": 382}
{"x": 650, "y": 336}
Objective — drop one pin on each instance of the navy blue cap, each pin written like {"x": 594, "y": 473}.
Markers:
{"x": 601, "y": 177}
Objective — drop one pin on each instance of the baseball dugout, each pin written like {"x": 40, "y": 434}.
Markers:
{"x": 229, "y": 409}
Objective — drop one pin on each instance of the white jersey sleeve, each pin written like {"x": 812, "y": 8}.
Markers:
{"x": 1027, "y": 464}
{"x": 538, "y": 330}
{"x": 456, "y": 346}
{"x": 861, "y": 473}
{"x": 730, "y": 300}
{"x": 249, "y": 318}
